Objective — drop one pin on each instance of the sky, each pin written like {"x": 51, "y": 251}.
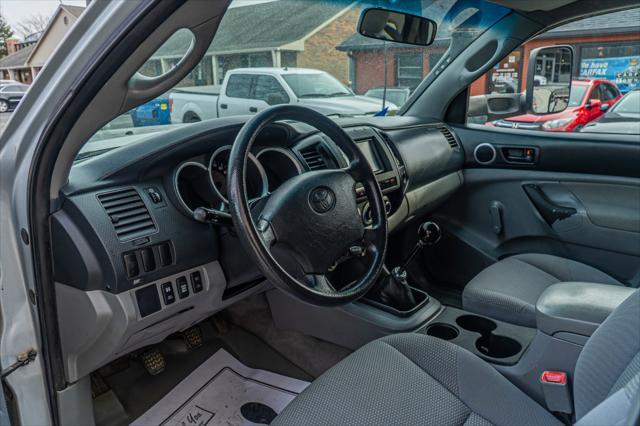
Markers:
{"x": 14, "y": 11}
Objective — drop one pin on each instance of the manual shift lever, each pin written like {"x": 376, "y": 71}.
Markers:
{"x": 428, "y": 234}
{"x": 394, "y": 290}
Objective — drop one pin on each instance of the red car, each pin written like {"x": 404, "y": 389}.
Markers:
{"x": 588, "y": 100}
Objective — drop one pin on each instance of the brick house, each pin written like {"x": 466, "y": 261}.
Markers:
{"x": 26, "y": 58}
{"x": 606, "y": 46}
{"x": 249, "y": 36}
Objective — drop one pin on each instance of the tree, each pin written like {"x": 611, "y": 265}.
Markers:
{"x": 5, "y": 33}
{"x": 34, "y": 24}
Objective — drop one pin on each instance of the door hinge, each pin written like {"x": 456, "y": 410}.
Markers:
{"x": 22, "y": 359}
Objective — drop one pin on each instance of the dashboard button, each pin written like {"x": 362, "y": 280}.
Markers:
{"x": 166, "y": 258}
{"x": 183, "y": 287}
{"x": 167, "y": 293}
{"x": 131, "y": 265}
{"x": 196, "y": 281}
{"x": 148, "y": 261}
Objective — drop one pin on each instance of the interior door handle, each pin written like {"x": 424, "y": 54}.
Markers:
{"x": 253, "y": 109}
{"x": 550, "y": 211}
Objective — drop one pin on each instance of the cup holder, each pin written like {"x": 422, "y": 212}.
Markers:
{"x": 489, "y": 344}
{"x": 443, "y": 331}
{"x": 497, "y": 346}
{"x": 476, "y": 324}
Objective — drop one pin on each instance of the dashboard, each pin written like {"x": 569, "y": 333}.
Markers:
{"x": 131, "y": 263}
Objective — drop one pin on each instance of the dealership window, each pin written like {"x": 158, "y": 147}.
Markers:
{"x": 409, "y": 70}
{"x": 617, "y": 62}
{"x": 504, "y": 77}
{"x": 606, "y": 47}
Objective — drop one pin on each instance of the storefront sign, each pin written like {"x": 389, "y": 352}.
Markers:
{"x": 624, "y": 71}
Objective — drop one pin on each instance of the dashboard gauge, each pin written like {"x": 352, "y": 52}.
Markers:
{"x": 256, "y": 178}
{"x": 219, "y": 175}
{"x": 280, "y": 166}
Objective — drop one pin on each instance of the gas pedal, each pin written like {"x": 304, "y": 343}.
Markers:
{"x": 193, "y": 337}
{"x": 153, "y": 361}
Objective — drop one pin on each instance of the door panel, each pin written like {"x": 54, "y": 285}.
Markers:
{"x": 493, "y": 216}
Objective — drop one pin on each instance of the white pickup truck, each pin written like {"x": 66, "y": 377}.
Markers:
{"x": 249, "y": 90}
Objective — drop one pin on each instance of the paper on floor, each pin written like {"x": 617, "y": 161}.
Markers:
{"x": 222, "y": 391}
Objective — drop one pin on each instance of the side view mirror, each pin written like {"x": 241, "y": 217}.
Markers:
{"x": 605, "y": 107}
{"x": 398, "y": 27}
{"x": 549, "y": 79}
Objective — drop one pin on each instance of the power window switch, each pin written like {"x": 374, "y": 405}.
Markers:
{"x": 167, "y": 293}
{"x": 196, "y": 282}
{"x": 183, "y": 287}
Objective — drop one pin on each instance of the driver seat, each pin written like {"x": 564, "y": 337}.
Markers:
{"x": 418, "y": 379}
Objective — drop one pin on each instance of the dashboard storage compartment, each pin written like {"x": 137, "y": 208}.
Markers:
{"x": 494, "y": 341}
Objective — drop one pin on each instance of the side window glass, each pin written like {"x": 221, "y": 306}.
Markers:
{"x": 239, "y": 86}
{"x": 268, "y": 89}
{"x": 606, "y": 64}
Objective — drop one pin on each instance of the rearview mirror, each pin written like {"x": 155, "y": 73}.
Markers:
{"x": 398, "y": 27}
{"x": 549, "y": 79}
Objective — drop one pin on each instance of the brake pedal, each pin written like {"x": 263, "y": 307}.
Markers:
{"x": 153, "y": 361}
{"x": 193, "y": 337}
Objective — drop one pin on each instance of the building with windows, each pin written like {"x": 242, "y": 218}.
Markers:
{"x": 250, "y": 37}
{"x": 26, "y": 58}
{"x": 605, "y": 46}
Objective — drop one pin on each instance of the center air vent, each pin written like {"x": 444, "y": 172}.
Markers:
{"x": 313, "y": 157}
{"x": 451, "y": 140}
{"x": 128, "y": 214}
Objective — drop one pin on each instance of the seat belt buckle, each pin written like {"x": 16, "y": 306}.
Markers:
{"x": 557, "y": 394}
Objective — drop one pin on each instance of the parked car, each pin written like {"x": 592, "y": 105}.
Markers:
{"x": 249, "y": 90}
{"x": 584, "y": 105}
{"x": 153, "y": 113}
{"x": 623, "y": 117}
{"x": 10, "y": 95}
{"x": 395, "y": 95}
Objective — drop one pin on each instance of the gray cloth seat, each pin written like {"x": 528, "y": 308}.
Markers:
{"x": 409, "y": 379}
{"x": 509, "y": 289}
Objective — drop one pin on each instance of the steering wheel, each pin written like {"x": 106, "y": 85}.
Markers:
{"x": 311, "y": 220}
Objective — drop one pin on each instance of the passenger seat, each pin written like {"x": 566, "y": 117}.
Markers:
{"x": 509, "y": 289}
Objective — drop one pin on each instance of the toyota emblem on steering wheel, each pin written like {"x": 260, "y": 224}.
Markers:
{"x": 322, "y": 199}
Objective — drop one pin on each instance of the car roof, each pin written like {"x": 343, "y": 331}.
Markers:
{"x": 279, "y": 71}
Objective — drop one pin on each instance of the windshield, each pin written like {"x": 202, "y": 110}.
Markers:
{"x": 577, "y": 94}
{"x": 628, "y": 106}
{"x": 306, "y": 52}
{"x": 315, "y": 85}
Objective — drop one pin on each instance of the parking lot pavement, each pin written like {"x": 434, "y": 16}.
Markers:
{"x": 4, "y": 119}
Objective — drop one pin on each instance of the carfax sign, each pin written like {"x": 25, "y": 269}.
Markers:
{"x": 624, "y": 71}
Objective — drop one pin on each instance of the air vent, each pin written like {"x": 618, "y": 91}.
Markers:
{"x": 128, "y": 214}
{"x": 313, "y": 157}
{"x": 451, "y": 140}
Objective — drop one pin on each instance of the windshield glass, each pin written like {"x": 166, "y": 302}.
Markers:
{"x": 628, "y": 106}
{"x": 577, "y": 94}
{"x": 315, "y": 85}
{"x": 304, "y": 52}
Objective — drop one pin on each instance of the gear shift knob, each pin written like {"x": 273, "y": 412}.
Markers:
{"x": 429, "y": 233}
